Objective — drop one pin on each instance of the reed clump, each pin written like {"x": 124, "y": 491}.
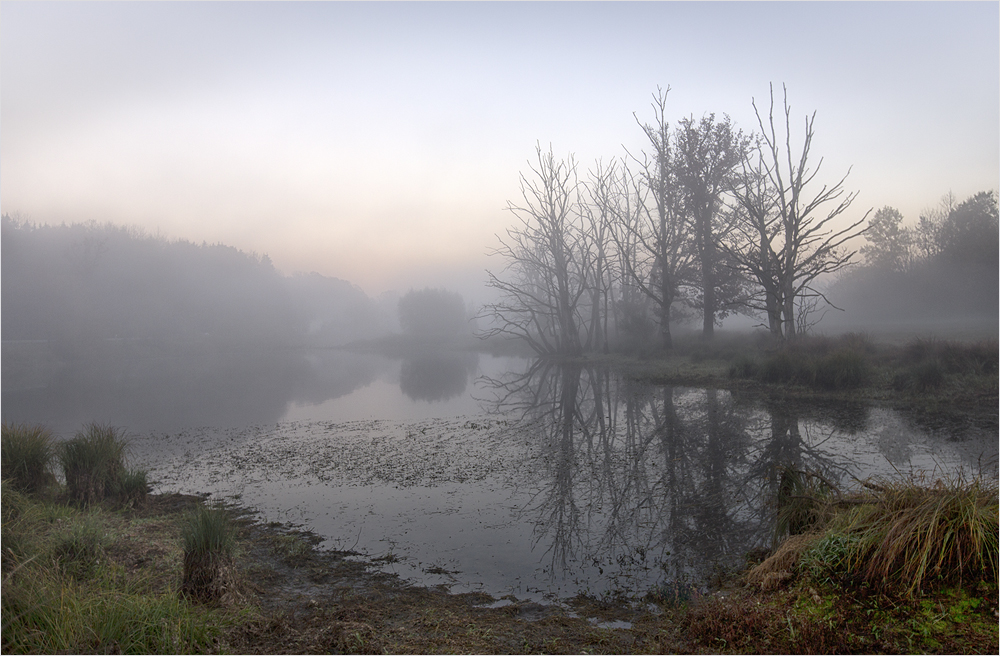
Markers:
{"x": 804, "y": 502}
{"x": 209, "y": 568}
{"x": 953, "y": 357}
{"x": 27, "y": 453}
{"x": 896, "y": 536}
{"x": 94, "y": 465}
{"x": 913, "y": 535}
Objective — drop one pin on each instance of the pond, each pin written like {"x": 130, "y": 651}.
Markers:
{"x": 488, "y": 474}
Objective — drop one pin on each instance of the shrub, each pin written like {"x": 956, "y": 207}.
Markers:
{"x": 919, "y": 350}
{"x": 845, "y": 369}
{"x": 923, "y": 377}
{"x": 811, "y": 366}
{"x": 26, "y": 454}
{"x": 953, "y": 357}
{"x": 209, "y": 572}
{"x": 784, "y": 367}
{"x": 93, "y": 462}
{"x": 745, "y": 367}
{"x": 860, "y": 342}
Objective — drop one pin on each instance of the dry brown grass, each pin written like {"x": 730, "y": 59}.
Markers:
{"x": 895, "y": 536}
{"x": 780, "y": 566}
{"x": 911, "y": 535}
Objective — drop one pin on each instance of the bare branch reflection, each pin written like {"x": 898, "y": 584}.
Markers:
{"x": 648, "y": 484}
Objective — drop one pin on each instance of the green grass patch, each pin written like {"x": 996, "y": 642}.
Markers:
{"x": 80, "y": 549}
{"x": 65, "y": 589}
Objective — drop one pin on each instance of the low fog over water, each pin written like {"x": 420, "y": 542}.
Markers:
{"x": 352, "y": 264}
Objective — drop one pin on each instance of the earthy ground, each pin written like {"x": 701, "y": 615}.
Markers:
{"x": 293, "y": 598}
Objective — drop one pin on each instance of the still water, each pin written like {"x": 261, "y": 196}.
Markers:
{"x": 495, "y": 474}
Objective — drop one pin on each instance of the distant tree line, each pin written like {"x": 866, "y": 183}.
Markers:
{"x": 84, "y": 282}
{"x": 944, "y": 266}
{"x": 707, "y": 221}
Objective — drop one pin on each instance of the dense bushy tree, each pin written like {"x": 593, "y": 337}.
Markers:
{"x": 951, "y": 270}
{"x": 968, "y": 235}
{"x": 710, "y": 153}
{"x": 432, "y": 313}
{"x": 889, "y": 242}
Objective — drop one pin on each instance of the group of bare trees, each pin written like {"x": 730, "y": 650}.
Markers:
{"x": 706, "y": 220}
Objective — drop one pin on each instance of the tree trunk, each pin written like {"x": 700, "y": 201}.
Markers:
{"x": 708, "y": 258}
{"x": 789, "y": 312}
{"x": 666, "y": 341}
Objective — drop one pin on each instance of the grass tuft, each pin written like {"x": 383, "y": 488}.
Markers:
{"x": 895, "y": 536}
{"x": 15, "y": 542}
{"x": 27, "y": 452}
{"x": 133, "y": 487}
{"x": 803, "y": 502}
{"x": 913, "y": 535}
{"x": 209, "y": 539}
{"x": 94, "y": 465}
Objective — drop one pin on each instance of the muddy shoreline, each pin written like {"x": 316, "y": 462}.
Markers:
{"x": 307, "y": 599}
{"x": 304, "y": 599}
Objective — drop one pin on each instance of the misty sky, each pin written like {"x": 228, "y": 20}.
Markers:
{"x": 380, "y": 142}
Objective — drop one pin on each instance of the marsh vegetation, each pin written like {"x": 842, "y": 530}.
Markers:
{"x": 110, "y": 579}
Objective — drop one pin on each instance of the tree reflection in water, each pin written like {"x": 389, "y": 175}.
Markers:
{"x": 647, "y": 484}
{"x": 437, "y": 376}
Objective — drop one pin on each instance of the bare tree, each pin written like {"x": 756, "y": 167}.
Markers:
{"x": 612, "y": 198}
{"x": 755, "y": 236}
{"x": 547, "y": 261}
{"x": 803, "y": 240}
{"x": 604, "y": 195}
{"x": 657, "y": 228}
